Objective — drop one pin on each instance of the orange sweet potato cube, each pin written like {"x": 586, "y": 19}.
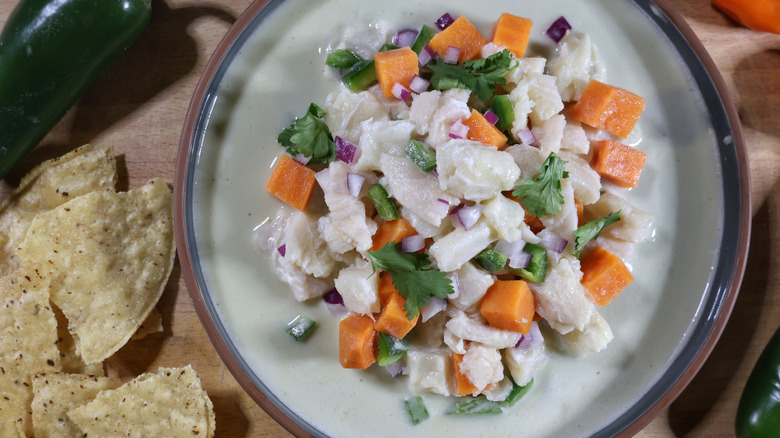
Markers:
{"x": 461, "y": 34}
{"x": 393, "y": 320}
{"x": 509, "y": 305}
{"x": 291, "y": 182}
{"x": 618, "y": 163}
{"x": 395, "y": 66}
{"x": 512, "y": 32}
{"x": 609, "y": 108}
{"x": 482, "y": 131}
{"x": 604, "y": 275}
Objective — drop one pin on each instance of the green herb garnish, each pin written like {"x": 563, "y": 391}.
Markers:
{"x": 412, "y": 276}
{"x": 310, "y": 136}
{"x": 480, "y": 75}
{"x": 542, "y": 196}
{"x": 591, "y": 230}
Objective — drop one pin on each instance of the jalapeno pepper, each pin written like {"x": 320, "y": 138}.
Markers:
{"x": 50, "y": 53}
{"x": 758, "y": 413}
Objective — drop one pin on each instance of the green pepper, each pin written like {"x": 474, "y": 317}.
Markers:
{"x": 51, "y": 51}
{"x": 758, "y": 412}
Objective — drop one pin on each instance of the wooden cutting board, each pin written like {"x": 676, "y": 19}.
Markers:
{"x": 138, "y": 107}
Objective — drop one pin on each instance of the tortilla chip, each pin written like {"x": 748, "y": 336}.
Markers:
{"x": 168, "y": 403}
{"x": 69, "y": 352}
{"x": 47, "y": 186}
{"x": 12, "y": 429}
{"x": 56, "y": 394}
{"x": 28, "y": 331}
{"x": 153, "y": 324}
{"x": 107, "y": 257}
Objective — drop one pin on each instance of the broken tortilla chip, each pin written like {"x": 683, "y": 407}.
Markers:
{"x": 49, "y": 185}
{"x": 168, "y": 403}
{"x": 107, "y": 257}
{"x": 28, "y": 331}
{"x": 57, "y": 393}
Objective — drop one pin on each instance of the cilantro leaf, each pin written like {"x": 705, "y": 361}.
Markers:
{"x": 591, "y": 230}
{"x": 412, "y": 276}
{"x": 480, "y": 75}
{"x": 542, "y": 196}
{"x": 310, "y": 136}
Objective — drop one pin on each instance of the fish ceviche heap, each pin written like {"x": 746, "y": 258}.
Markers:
{"x": 474, "y": 216}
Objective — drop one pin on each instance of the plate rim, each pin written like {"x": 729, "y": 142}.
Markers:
{"x": 727, "y": 294}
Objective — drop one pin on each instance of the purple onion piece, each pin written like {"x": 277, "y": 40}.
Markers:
{"x": 452, "y": 55}
{"x": 521, "y": 260}
{"x": 333, "y": 297}
{"x": 404, "y": 37}
{"x": 345, "y": 151}
{"x": 282, "y": 250}
{"x": 533, "y": 339}
{"x": 458, "y": 130}
{"x": 426, "y": 54}
{"x": 303, "y": 159}
{"x": 418, "y": 84}
{"x": 558, "y": 29}
{"x": 514, "y": 252}
{"x": 400, "y": 92}
{"x": 526, "y": 137}
{"x": 355, "y": 183}
{"x": 491, "y": 117}
{"x": 412, "y": 243}
{"x": 441, "y": 207}
{"x": 444, "y": 21}
{"x": 552, "y": 241}
{"x": 434, "y": 306}
{"x": 453, "y": 276}
{"x": 469, "y": 215}
{"x": 395, "y": 368}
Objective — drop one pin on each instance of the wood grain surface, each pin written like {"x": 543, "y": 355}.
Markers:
{"x": 138, "y": 106}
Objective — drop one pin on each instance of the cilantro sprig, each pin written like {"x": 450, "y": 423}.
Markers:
{"x": 412, "y": 276}
{"x": 310, "y": 136}
{"x": 592, "y": 229}
{"x": 480, "y": 75}
{"x": 542, "y": 196}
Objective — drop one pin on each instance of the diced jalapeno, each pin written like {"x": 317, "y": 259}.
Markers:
{"x": 415, "y": 406}
{"x": 536, "y": 271}
{"x": 517, "y": 393}
{"x": 502, "y": 107}
{"x": 491, "y": 260}
{"x": 390, "y": 349}
{"x": 425, "y": 35}
{"x": 476, "y": 406}
{"x": 384, "y": 205}
{"x": 342, "y": 59}
{"x": 301, "y": 327}
{"x": 422, "y": 155}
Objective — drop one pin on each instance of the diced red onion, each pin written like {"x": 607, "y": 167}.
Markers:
{"x": 444, "y": 21}
{"x": 418, "y": 84}
{"x": 514, "y": 252}
{"x": 395, "y": 368}
{"x": 303, "y": 159}
{"x": 345, "y": 151}
{"x": 458, "y": 130}
{"x": 526, "y": 137}
{"x": 400, "y": 92}
{"x": 404, "y": 37}
{"x": 426, "y": 54}
{"x": 412, "y": 243}
{"x": 441, "y": 207}
{"x": 452, "y": 55}
{"x": 558, "y": 29}
{"x": 469, "y": 215}
{"x": 333, "y": 297}
{"x": 532, "y": 339}
{"x": 491, "y": 117}
{"x": 453, "y": 276}
{"x": 435, "y": 173}
{"x": 355, "y": 183}
{"x": 282, "y": 250}
{"x": 521, "y": 260}
{"x": 434, "y": 306}
{"x": 552, "y": 241}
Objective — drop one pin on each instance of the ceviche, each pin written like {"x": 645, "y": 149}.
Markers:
{"x": 460, "y": 204}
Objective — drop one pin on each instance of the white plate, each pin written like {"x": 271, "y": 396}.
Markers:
{"x": 695, "y": 183}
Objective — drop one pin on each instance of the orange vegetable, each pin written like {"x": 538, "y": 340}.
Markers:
{"x": 509, "y": 305}
{"x": 604, "y": 275}
{"x": 763, "y": 15}
{"x": 482, "y": 131}
{"x": 395, "y": 66}
{"x": 357, "y": 342}
{"x": 386, "y": 288}
{"x": 393, "y": 320}
{"x": 463, "y": 385}
{"x": 291, "y": 182}
{"x": 512, "y": 32}
{"x": 392, "y": 231}
{"x": 618, "y": 163}
{"x": 609, "y": 108}
{"x": 461, "y": 34}
{"x": 580, "y": 212}
{"x": 533, "y": 222}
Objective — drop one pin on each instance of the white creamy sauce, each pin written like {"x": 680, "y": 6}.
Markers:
{"x": 280, "y": 72}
